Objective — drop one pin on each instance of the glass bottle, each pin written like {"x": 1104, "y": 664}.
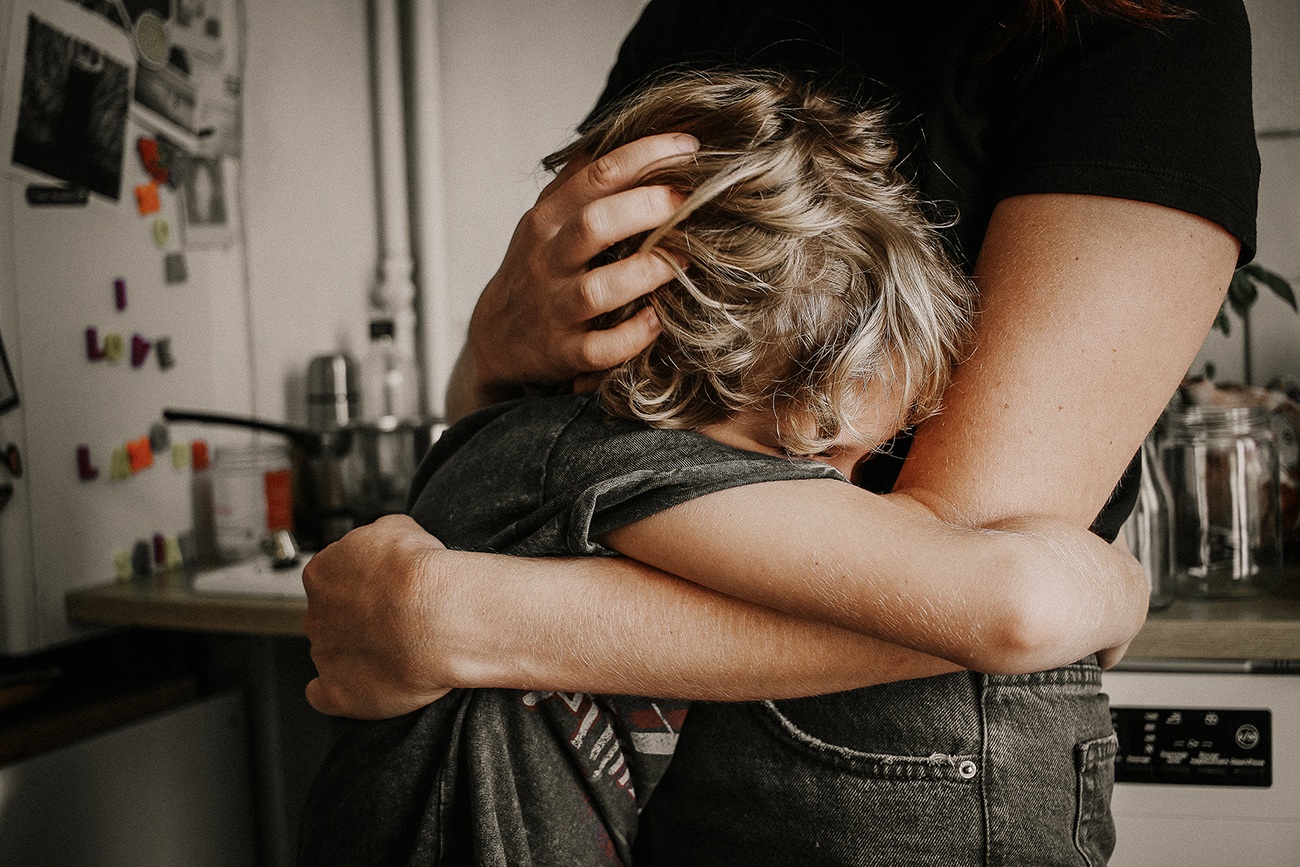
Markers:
{"x": 1222, "y": 466}
{"x": 390, "y": 384}
{"x": 1148, "y": 530}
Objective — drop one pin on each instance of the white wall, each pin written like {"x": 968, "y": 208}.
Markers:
{"x": 309, "y": 182}
{"x": 1275, "y": 26}
{"x": 518, "y": 76}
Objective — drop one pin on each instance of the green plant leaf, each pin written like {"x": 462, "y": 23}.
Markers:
{"x": 1241, "y": 292}
{"x": 1281, "y": 288}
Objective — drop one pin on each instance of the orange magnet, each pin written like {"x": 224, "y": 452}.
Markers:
{"x": 140, "y": 454}
{"x": 146, "y": 198}
{"x": 199, "y": 458}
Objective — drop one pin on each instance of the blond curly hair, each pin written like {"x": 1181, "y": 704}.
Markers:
{"x": 811, "y": 269}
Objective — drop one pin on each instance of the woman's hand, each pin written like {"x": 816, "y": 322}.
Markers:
{"x": 532, "y": 324}
{"x": 371, "y": 609}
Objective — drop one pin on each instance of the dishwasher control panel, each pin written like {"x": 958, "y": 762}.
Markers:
{"x": 1193, "y": 746}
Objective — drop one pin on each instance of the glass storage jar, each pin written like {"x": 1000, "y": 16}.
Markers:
{"x": 1222, "y": 466}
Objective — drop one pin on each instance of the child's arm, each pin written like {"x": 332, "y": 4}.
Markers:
{"x": 1022, "y": 595}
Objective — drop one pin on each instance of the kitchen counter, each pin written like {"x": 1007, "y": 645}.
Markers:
{"x": 1265, "y": 628}
{"x": 168, "y": 600}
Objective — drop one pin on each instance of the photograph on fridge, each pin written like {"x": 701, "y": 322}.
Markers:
{"x": 68, "y": 78}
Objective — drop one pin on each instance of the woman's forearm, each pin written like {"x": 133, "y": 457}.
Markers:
{"x": 394, "y": 619}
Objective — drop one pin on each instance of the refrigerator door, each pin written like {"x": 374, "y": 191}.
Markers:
{"x": 104, "y": 265}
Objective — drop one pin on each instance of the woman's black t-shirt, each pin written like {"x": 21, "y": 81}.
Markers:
{"x": 1157, "y": 113}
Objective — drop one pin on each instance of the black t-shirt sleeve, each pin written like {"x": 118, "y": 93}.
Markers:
{"x": 1153, "y": 113}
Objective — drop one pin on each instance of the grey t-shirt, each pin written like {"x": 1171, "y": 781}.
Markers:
{"x": 549, "y": 476}
{"x": 497, "y": 776}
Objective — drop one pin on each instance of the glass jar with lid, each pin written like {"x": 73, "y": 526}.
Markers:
{"x": 1222, "y": 466}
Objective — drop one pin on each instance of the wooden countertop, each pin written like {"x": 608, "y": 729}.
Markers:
{"x": 168, "y": 600}
{"x": 1264, "y": 628}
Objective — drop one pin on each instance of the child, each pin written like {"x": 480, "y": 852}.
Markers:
{"x": 813, "y": 315}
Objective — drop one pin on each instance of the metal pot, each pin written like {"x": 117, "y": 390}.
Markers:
{"x": 321, "y": 512}
{"x": 342, "y": 478}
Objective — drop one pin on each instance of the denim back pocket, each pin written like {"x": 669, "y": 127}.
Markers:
{"x": 1094, "y": 828}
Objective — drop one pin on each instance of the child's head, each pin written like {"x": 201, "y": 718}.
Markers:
{"x": 811, "y": 271}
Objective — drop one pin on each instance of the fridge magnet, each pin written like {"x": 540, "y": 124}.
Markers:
{"x": 8, "y": 389}
{"x": 162, "y": 349}
{"x": 119, "y": 467}
{"x": 114, "y": 347}
{"x": 160, "y": 438}
{"x": 146, "y": 199}
{"x": 172, "y": 556}
{"x": 6, "y": 494}
{"x": 155, "y": 159}
{"x": 140, "y": 454}
{"x": 159, "y": 549}
{"x": 162, "y": 232}
{"x": 200, "y": 455}
{"x": 141, "y": 562}
{"x": 139, "y": 350}
{"x": 86, "y": 470}
{"x": 13, "y": 460}
{"x": 207, "y": 188}
{"x": 174, "y": 269}
{"x": 67, "y": 93}
{"x": 39, "y": 195}
{"x": 119, "y": 294}
{"x": 180, "y": 456}
{"x": 94, "y": 351}
{"x": 122, "y": 570}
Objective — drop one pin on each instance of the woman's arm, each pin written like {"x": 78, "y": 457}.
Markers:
{"x": 394, "y": 619}
{"x": 1092, "y": 309}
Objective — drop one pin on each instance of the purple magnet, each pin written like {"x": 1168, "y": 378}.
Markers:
{"x": 86, "y": 471}
{"x": 139, "y": 350}
{"x": 119, "y": 293}
{"x": 159, "y": 549}
{"x": 94, "y": 352}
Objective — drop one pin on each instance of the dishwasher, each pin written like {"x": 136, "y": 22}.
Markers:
{"x": 1208, "y": 768}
